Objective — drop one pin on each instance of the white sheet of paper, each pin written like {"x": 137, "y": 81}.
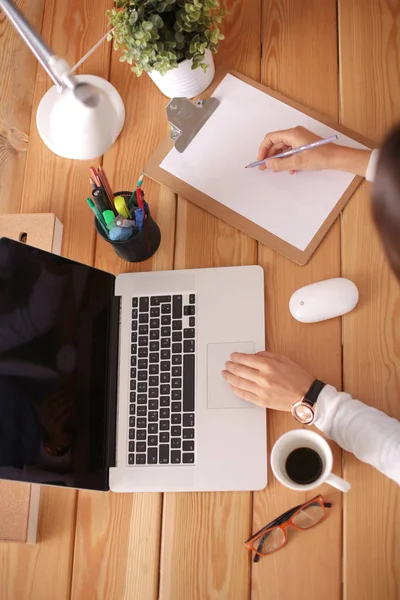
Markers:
{"x": 293, "y": 207}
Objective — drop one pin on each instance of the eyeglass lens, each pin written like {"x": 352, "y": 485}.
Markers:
{"x": 274, "y": 539}
{"x": 269, "y": 541}
{"x": 308, "y": 517}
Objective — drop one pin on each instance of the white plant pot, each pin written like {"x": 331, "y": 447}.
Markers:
{"x": 183, "y": 81}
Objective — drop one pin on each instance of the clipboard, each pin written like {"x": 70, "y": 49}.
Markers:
{"x": 153, "y": 170}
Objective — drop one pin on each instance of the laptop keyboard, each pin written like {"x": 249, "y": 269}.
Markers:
{"x": 162, "y": 380}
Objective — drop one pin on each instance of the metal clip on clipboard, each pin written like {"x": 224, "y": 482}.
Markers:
{"x": 186, "y": 118}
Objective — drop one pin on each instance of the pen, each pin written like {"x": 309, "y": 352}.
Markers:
{"x": 138, "y": 185}
{"x": 105, "y": 183}
{"x": 97, "y": 214}
{"x": 94, "y": 176}
{"x": 139, "y": 196}
{"x": 131, "y": 199}
{"x": 327, "y": 140}
{"x": 100, "y": 199}
{"x": 140, "y": 181}
{"x": 139, "y": 218}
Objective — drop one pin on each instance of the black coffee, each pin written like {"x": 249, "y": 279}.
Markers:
{"x": 303, "y": 465}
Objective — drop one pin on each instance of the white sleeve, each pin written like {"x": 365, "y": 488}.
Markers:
{"x": 371, "y": 169}
{"x": 368, "y": 433}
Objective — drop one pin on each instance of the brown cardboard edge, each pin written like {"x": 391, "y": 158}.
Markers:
{"x": 153, "y": 170}
{"x": 33, "y": 517}
{"x": 29, "y": 522}
{"x": 57, "y": 236}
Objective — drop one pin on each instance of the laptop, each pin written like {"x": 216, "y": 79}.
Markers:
{"x": 115, "y": 382}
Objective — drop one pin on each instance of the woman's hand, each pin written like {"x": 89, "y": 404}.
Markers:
{"x": 329, "y": 156}
{"x": 267, "y": 379}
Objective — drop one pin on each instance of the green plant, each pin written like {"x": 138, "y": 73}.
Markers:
{"x": 157, "y": 35}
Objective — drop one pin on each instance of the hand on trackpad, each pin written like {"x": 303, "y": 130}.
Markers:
{"x": 219, "y": 394}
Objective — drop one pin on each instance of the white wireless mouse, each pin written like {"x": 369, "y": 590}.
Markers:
{"x": 323, "y": 300}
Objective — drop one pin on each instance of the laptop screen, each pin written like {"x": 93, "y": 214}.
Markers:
{"x": 56, "y": 322}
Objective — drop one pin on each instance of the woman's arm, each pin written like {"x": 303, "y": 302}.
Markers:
{"x": 331, "y": 156}
{"x": 368, "y": 433}
{"x": 277, "y": 382}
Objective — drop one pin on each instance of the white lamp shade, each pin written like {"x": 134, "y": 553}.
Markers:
{"x": 73, "y": 130}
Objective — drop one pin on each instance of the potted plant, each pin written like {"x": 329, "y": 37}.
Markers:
{"x": 172, "y": 40}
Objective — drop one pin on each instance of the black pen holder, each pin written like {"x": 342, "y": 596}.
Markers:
{"x": 142, "y": 245}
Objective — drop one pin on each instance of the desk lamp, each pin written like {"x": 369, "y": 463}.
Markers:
{"x": 81, "y": 116}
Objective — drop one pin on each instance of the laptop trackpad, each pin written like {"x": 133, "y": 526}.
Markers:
{"x": 219, "y": 394}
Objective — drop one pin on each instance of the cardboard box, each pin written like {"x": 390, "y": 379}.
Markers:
{"x": 19, "y": 512}
{"x": 43, "y": 231}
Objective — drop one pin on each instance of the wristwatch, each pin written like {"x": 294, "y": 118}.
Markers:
{"x": 303, "y": 409}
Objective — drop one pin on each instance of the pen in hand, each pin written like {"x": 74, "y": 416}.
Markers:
{"x": 287, "y": 153}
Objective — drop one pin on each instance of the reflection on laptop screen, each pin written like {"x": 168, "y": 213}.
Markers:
{"x": 56, "y": 319}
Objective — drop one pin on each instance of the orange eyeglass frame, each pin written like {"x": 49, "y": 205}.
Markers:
{"x": 285, "y": 521}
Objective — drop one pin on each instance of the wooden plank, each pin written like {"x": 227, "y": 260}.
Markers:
{"x": 370, "y": 101}
{"x": 117, "y": 546}
{"x": 118, "y": 536}
{"x": 55, "y": 184}
{"x": 59, "y": 186}
{"x": 17, "y": 75}
{"x": 42, "y": 570}
{"x": 299, "y": 60}
{"x": 204, "y": 533}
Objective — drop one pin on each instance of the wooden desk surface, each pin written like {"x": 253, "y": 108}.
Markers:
{"x": 341, "y": 58}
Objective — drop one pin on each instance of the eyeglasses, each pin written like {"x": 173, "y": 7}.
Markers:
{"x": 273, "y": 536}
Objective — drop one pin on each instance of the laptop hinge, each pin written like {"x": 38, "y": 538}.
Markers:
{"x": 113, "y": 382}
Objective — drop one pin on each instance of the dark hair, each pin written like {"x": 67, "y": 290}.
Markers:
{"x": 386, "y": 198}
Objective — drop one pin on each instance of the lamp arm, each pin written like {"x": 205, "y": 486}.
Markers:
{"x": 57, "y": 68}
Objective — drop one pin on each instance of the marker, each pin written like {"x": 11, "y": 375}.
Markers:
{"x": 287, "y": 153}
{"x": 121, "y": 208}
{"x": 109, "y": 217}
{"x": 100, "y": 199}
{"x": 139, "y": 218}
{"x": 97, "y": 214}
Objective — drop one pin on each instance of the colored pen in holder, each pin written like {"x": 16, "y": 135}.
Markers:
{"x": 140, "y": 244}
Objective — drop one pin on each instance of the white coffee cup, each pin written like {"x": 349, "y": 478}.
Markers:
{"x": 303, "y": 438}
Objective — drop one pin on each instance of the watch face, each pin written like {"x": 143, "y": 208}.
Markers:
{"x": 303, "y": 413}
